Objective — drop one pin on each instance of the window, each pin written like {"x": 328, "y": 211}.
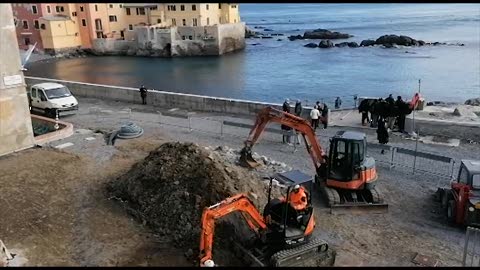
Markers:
{"x": 476, "y": 181}
{"x": 120, "y": 5}
{"x": 463, "y": 176}
{"x": 74, "y": 14}
{"x": 42, "y": 26}
{"x": 194, "y": 22}
{"x": 110, "y": 6}
{"x": 34, "y": 9}
{"x": 154, "y": 8}
{"x": 234, "y": 6}
{"x": 36, "y": 24}
{"x": 84, "y": 22}
{"x": 81, "y": 8}
{"x": 208, "y": 21}
{"x": 140, "y": 11}
{"x": 27, "y": 41}
{"x": 183, "y": 37}
{"x": 57, "y": 9}
{"x": 112, "y": 18}
{"x": 235, "y": 20}
{"x": 190, "y": 37}
{"x": 42, "y": 95}
{"x": 184, "y": 22}
{"x": 174, "y": 22}
{"x": 219, "y": 6}
{"x": 194, "y": 7}
{"x": 49, "y": 10}
{"x": 15, "y": 22}
{"x": 128, "y": 11}
{"x": 130, "y": 27}
{"x": 182, "y": 7}
{"x": 96, "y": 7}
{"x": 159, "y": 20}
{"x": 25, "y": 24}
{"x": 207, "y": 6}
{"x": 34, "y": 92}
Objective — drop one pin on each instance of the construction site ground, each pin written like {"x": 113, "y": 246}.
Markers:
{"x": 55, "y": 213}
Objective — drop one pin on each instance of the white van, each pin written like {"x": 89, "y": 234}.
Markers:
{"x": 51, "y": 97}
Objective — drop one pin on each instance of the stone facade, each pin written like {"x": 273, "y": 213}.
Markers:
{"x": 157, "y": 41}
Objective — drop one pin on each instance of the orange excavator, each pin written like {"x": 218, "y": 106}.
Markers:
{"x": 283, "y": 234}
{"x": 347, "y": 177}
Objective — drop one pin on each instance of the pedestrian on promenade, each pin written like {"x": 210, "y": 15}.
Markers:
{"x": 143, "y": 94}
{"x": 325, "y": 116}
{"x": 363, "y": 109}
{"x": 402, "y": 112}
{"x": 390, "y": 99}
{"x": 382, "y": 133}
{"x": 286, "y": 129}
{"x": 315, "y": 115}
{"x": 374, "y": 113}
{"x": 391, "y": 112}
{"x": 298, "y": 112}
{"x": 338, "y": 103}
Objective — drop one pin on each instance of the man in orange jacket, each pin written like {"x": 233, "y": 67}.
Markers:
{"x": 298, "y": 198}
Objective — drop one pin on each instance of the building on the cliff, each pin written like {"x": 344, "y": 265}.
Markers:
{"x": 193, "y": 28}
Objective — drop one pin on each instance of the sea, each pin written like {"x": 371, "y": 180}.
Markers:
{"x": 272, "y": 70}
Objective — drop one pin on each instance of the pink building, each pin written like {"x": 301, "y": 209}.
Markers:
{"x": 26, "y": 18}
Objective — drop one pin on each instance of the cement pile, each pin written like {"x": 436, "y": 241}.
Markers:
{"x": 171, "y": 187}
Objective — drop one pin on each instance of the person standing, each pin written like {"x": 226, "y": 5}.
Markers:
{"x": 382, "y": 133}
{"x": 401, "y": 113}
{"x": 338, "y": 103}
{"x": 143, "y": 94}
{"x": 390, "y": 99}
{"x": 363, "y": 109}
{"x": 373, "y": 112}
{"x": 286, "y": 129}
{"x": 325, "y": 116}
{"x": 315, "y": 115}
{"x": 298, "y": 112}
{"x": 391, "y": 112}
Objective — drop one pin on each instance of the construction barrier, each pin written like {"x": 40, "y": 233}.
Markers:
{"x": 471, "y": 252}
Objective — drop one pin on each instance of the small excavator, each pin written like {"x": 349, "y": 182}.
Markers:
{"x": 347, "y": 177}
{"x": 283, "y": 234}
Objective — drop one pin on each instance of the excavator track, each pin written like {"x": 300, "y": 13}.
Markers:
{"x": 367, "y": 200}
{"x": 315, "y": 253}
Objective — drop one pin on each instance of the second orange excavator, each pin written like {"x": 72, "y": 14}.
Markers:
{"x": 347, "y": 176}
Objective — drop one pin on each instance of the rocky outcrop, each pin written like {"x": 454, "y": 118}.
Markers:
{"x": 249, "y": 33}
{"x": 352, "y": 44}
{"x": 311, "y": 45}
{"x": 325, "y": 44}
{"x": 473, "y": 102}
{"x": 325, "y": 34}
{"x": 321, "y": 34}
{"x": 341, "y": 44}
{"x": 367, "y": 42}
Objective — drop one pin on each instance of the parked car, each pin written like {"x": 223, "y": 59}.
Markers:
{"x": 50, "y": 98}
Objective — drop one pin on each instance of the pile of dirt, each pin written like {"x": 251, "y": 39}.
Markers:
{"x": 171, "y": 187}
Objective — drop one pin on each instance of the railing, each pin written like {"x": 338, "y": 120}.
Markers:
{"x": 471, "y": 251}
{"x": 414, "y": 161}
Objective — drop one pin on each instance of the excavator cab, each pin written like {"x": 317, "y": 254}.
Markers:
{"x": 290, "y": 220}
{"x": 347, "y": 156}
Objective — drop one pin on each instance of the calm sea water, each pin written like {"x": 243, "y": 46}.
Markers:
{"x": 274, "y": 70}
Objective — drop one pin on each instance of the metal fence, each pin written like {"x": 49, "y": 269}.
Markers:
{"x": 413, "y": 161}
{"x": 471, "y": 252}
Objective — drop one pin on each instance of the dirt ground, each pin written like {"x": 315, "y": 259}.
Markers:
{"x": 54, "y": 211}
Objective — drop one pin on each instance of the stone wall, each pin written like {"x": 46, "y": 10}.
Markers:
{"x": 110, "y": 46}
{"x": 16, "y": 130}
{"x": 231, "y": 37}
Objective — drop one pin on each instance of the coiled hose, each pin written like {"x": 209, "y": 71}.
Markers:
{"x": 128, "y": 131}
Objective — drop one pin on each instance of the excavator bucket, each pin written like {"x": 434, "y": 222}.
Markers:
{"x": 247, "y": 160}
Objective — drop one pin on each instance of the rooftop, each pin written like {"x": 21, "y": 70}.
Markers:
{"x": 138, "y": 5}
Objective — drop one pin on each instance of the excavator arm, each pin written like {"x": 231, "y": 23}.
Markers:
{"x": 239, "y": 203}
{"x": 270, "y": 114}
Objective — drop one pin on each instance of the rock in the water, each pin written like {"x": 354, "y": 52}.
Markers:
{"x": 352, "y": 44}
{"x": 268, "y": 30}
{"x": 367, "y": 42}
{"x": 311, "y": 45}
{"x": 341, "y": 44}
{"x": 421, "y": 42}
{"x": 325, "y": 44}
{"x": 292, "y": 38}
{"x": 473, "y": 101}
{"x": 389, "y": 45}
{"x": 394, "y": 39}
{"x": 325, "y": 34}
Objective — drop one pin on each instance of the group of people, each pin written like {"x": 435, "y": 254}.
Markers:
{"x": 317, "y": 114}
{"x": 385, "y": 114}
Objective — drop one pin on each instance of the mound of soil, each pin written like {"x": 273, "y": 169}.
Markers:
{"x": 171, "y": 187}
